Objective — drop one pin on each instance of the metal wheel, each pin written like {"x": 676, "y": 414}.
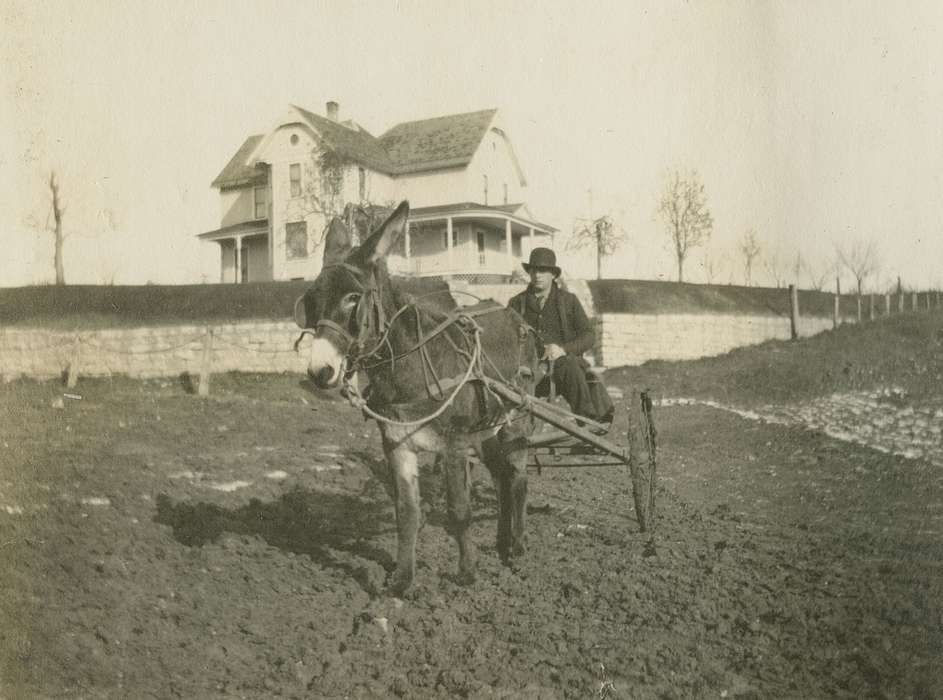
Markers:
{"x": 642, "y": 464}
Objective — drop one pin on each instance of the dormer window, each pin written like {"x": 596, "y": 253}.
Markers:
{"x": 294, "y": 179}
{"x": 259, "y": 206}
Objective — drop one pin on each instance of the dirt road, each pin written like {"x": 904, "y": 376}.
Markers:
{"x": 156, "y": 545}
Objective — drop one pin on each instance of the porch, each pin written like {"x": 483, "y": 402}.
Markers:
{"x": 484, "y": 244}
{"x": 244, "y": 251}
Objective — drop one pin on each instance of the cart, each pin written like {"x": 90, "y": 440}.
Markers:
{"x": 573, "y": 441}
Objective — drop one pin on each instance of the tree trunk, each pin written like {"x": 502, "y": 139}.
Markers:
{"x": 57, "y": 213}
{"x": 680, "y": 269}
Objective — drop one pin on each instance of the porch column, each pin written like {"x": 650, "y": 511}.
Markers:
{"x": 406, "y": 245}
{"x": 531, "y": 238}
{"x": 238, "y": 272}
{"x": 510, "y": 247}
{"x": 448, "y": 242}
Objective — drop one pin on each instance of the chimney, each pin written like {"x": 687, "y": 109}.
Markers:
{"x": 332, "y": 110}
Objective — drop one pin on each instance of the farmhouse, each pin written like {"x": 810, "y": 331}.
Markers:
{"x": 467, "y": 190}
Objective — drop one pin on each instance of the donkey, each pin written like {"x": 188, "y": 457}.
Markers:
{"x": 418, "y": 355}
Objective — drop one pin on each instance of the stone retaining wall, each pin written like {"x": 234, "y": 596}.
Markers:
{"x": 150, "y": 352}
{"x": 631, "y": 339}
{"x": 622, "y": 339}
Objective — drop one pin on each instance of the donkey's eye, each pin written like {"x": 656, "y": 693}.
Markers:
{"x": 350, "y": 301}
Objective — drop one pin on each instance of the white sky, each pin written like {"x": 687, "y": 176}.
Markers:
{"x": 812, "y": 122}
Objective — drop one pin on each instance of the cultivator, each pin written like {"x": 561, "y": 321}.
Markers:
{"x": 573, "y": 441}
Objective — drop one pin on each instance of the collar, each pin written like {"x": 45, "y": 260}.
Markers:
{"x": 533, "y": 299}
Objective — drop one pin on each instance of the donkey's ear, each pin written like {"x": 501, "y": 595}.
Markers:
{"x": 336, "y": 242}
{"x": 384, "y": 238}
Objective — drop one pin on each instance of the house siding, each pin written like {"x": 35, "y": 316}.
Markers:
{"x": 280, "y": 153}
{"x": 494, "y": 159}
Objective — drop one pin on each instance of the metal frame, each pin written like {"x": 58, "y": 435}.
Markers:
{"x": 574, "y": 437}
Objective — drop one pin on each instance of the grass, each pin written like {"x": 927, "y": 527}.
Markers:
{"x": 904, "y": 351}
{"x": 85, "y": 307}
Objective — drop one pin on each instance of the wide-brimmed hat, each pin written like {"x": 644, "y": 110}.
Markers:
{"x": 542, "y": 258}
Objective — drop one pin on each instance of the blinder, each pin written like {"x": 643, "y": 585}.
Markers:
{"x": 357, "y": 315}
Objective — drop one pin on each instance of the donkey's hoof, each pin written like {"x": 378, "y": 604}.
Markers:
{"x": 398, "y": 585}
{"x": 466, "y": 577}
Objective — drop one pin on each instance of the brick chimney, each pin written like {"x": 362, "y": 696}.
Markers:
{"x": 333, "y": 110}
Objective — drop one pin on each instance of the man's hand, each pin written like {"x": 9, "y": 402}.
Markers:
{"x": 553, "y": 351}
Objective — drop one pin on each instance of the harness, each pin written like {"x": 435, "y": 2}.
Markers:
{"x": 363, "y": 352}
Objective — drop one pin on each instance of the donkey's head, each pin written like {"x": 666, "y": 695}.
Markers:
{"x": 332, "y": 308}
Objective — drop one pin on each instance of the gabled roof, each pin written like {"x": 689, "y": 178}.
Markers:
{"x": 352, "y": 142}
{"x": 441, "y": 142}
{"x": 237, "y": 172}
{"x": 410, "y": 147}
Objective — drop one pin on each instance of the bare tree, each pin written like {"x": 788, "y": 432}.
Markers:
{"x": 860, "y": 258}
{"x": 713, "y": 267}
{"x": 776, "y": 265}
{"x": 53, "y": 225}
{"x": 818, "y": 275}
{"x": 688, "y": 222}
{"x": 602, "y": 233}
{"x": 750, "y": 249}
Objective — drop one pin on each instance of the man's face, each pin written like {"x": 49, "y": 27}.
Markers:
{"x": 541, "y": 279}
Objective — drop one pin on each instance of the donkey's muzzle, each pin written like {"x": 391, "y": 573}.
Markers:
{"x": 323, "y": 378}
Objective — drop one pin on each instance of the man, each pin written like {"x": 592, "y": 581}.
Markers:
{"x": 563, "y": 334}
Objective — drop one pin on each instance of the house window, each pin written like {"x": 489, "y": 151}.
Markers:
{"x": 294, "y": 179}
{"x": 485, "y": 178}
{"x": 259, "y": 206}
{"x": 296, "y": 240}
{"x": 363, "y": 184}
{"x": 481, "y": 249}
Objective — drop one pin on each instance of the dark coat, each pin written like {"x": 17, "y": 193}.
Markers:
{"x": 561, "y": 321}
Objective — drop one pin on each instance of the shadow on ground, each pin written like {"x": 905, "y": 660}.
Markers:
{"x": 328, "y": 527}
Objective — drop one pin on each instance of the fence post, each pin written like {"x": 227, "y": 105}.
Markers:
{"x": 915, "y": 301}
{"x": 794, "y": 311}
{"x": 858, "y": 299}
{"x": 870, "y": 307}
{"x": 72, "y": 372}
{"x": 887, "y": 303}
{"x": 204, "y": 389}
{"x": 900, "y": 300}
{"x": 835, "y": 312}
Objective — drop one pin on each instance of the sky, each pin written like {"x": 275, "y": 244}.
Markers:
{"x": 816, "y": 124}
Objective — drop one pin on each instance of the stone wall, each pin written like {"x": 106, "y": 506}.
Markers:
{"x": 631, "y": 339}
{"x": 255, "y": 346}
{"x": 150, "y": 352}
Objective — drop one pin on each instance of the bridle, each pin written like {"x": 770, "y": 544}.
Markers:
{"x": 373, "y": 327}
{"x": 368, "y": 306}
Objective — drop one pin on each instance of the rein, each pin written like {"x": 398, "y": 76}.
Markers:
{"x": 369, "y": 312}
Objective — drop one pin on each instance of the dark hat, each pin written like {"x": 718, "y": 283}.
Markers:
{"x": 542, "y": 258}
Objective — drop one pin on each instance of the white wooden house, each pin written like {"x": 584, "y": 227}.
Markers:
{"x": 460, "y": 174}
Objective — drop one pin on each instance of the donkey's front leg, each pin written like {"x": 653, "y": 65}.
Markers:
{"x": 404, "y": 465}
{"x": 514, "y": 447}
{"x": 458, "y": 496}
